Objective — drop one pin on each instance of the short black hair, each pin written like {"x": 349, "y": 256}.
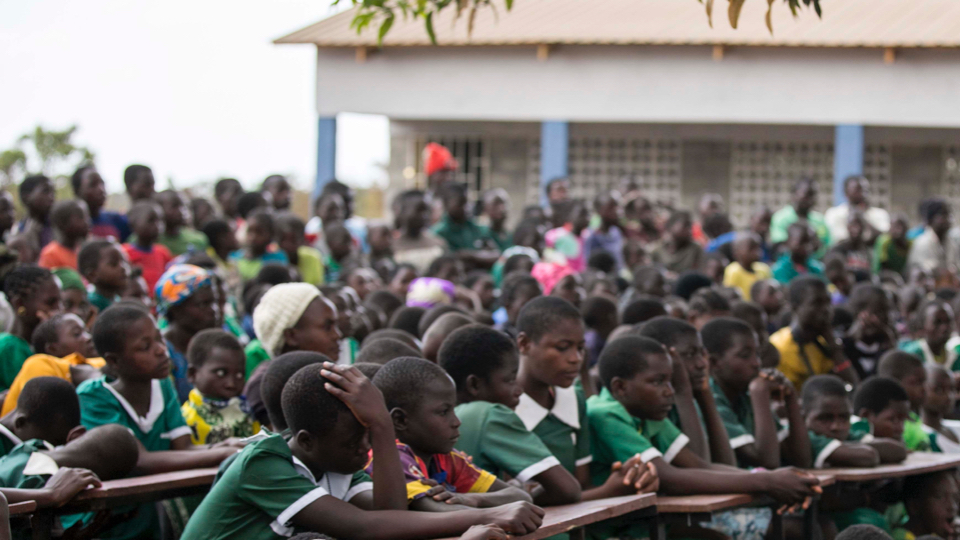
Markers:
{"x": 800, "y": 288}
{"x": 934, "y": 208}
{"x": 716, "y": 225}
{"x": 598, "y": 308}
{"x": 603, "y": 261}
{"x": 202, "y": 345}
{"x": 216, "y": 229}
{"x": 264, "y": 218}
{"x": 543, "y": 314}
{"x": 403, "y": 381}
{"x": 407, "y": 319}
{"x": 708, "y": 301}
{"x": 746, "y": 311}
{"x": 863, "y": 532}
{"x": 438, "y": 263}
{"x": 46, "y": 333}
{"x": 76, "y": 180}
{"x": 383, "y": 350}
{"x": 369, "y": 370}
{"x": 897, "y": 364}
{"x": 526, "y": 227}
{"x": 864, "y": 295}
{"x": 624, "y": 357}
{"x": 50, "y": 400}
{"x": 759, "y": 286}
{"x": 798, "y": 227}
{"x": 65, "y": 210}
{"x": 306, "y": 403}
{"x": 289, "y": 222}
{"x": 278, "y": 372}
{"x": 223, "y": 185}
{"x": 31, "y": 183}
{"x": 642, "y": 310}
{"x": 689, "y": 283}
{"x": 112, "y": 325}
{"x": 391, "y": 333}
{"x": 718, "y": 334}
{"x": 385, "y": 300}
{"x": 139, "y": 211}
{"x": 452, "y": 190}
{"x": 820, "y": 386}
{"x": 274, "y": 274}
{"x": 250, "y": 201}
{"x": 131, "y": 173}
{"x": 89, "y": 257}
{"x": 434, "y": 313}
{"x": 876, "y": 393}
{"x": 23, "y": 280}
{"x": 516, "y": 283}
{"x": 550, "y": 183}
{"x": 474, "y": 350}
{"x": 513, "y": 261}
{"x": 666, "y": 330}
{"x": 272, "y": 179}
{"x": 676, "y": 216}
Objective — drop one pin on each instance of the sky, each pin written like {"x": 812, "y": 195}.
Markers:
{"x": 195, "y": 90}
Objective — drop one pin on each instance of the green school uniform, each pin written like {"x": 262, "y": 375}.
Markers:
{"x": 822, "y": 447}
{"x": 264, "y": 433}
{"x": 8, "y": 441}
{"x": 497, "y": 440}
{"x": 460, "y": 236}
{"x": 100, "y": 301}
{"x": 25, "y": 467}
{"x": 100, "y": 404}
{"x": 914, "y": 436}
{"x": 860, "y": 431}
{"x": 739, "y": 420}
{"x": 564, "y": 430}
{"x": 262, "y": 491}
{"x": 13, "y": 352}
{"x": 674, "y": 416}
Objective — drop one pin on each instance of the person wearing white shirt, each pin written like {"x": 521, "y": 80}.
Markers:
{"x": 857, "y": 191}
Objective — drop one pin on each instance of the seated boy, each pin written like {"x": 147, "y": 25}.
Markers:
{"x": 260, "y": 248}
{"x": 908, "y": 370}
{"x": 47, "y": 410}
{"x": 383, "y": 350}
{"x": 71, "y": 224}
{"x": 291, "y": 240}
{"x": 881, "y": 406}
{"x": 936, "y": 319}
{"x": 694, "y": 410}
{"x": 215, "y": 410}
{"x": 797, "y": 261}
{"x": 63, "y": 349}
{"x": 629, "y": 417}
{"x": 315, "y": 481}
{"x": 438, "y": 331}
{"x": 421, "y": 397}
{"x": 744, "y": 394}
{"x": 551, "y": 343}
{"x": 146, "y": 252}
{"x": 827, "y": 412}
{"x": 932, "y": 502}
{"x": 937, "y": 405}
{"x": 483, "y": 364}
{"x": 177, "y": 236}
{"x": 871, "y": 335}
{"x": 808, "y": 347}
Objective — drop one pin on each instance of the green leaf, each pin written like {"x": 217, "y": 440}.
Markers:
{"x": 384, "y": 28}
{"x": 734, "y": 11}
{"x": 509, "y": 4}
{"x": 430, "y": 31}
{"x": 769, "y": 17}
{"x": 710, "y": 13}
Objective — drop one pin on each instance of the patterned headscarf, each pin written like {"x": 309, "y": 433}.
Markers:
{"x": 427, "y": 292}
{"x": 177, "y": 284}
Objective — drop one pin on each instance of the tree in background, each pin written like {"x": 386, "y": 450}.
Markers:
{"x": 385, "y": 12}
{"x": 50, "y": 152}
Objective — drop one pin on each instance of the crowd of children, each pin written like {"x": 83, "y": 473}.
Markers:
{"x": 442, "y": 375}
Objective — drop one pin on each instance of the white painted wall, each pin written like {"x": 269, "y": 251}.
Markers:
{"x": 646, "y": 84}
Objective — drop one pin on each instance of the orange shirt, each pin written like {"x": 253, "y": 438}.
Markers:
{"x": 44, "y": 365}
{"x": 55, "y": 255}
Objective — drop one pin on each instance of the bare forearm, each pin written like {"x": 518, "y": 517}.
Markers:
{"x": 389, "y": 490}
{"x": 177, "y": 460}
{"x": 690, "y": 424}
{"x": 796, "y": 448}
{"x": 499, "y": 498}
{"x": 720, "y": 450}
{"x": 890, "y": 451}
{"x": 677, "y": 481}
{"x": 765, "y": 432}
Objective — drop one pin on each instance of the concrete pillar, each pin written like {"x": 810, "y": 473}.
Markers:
{"x": 554, "y": 145}
{"x": 326, "y": 152}
{"x": 847, "y": 157}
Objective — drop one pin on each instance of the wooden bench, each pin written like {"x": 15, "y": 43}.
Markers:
{"x": 21, "y": 508}
{"x": 916, "y": 463}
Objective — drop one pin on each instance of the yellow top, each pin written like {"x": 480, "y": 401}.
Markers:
{"x": 737, "y": 276}
{"x": 44, "y": 365}
{"x": 791, "y": 361}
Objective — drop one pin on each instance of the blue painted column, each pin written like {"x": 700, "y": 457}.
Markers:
{"x": 554, "y": 145}
{"x": 326, "y": 152}
{"x": 847, "y": 157}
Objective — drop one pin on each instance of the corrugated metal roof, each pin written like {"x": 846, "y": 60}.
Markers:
{"x": 845, "y": 23}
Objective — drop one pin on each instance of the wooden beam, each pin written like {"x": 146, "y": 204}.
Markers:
{"x": 718, "y": 51}
{"x": 543, "y": 52}
{"x": 889, "y": 55}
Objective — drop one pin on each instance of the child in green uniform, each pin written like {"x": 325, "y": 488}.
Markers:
{"x": 908, "y": 370}
{"x": 937, "y": 320}
{"x": 47, "y": 410}
{"x": 143, "y": 399}
{"x": 694, "y": 410}
{"x": 103, "y": 263}
{"x": 630, "y": 416}
{"x": 744, "y": 394}
{"x": 421, "y": 397}
{"x": 882, "y": 406}
{"x": 177, "y": 235}
{"x": 34, "y": 295}
{"x": 483, "y": 364}
{"x": 551, "y": 343}
{"x": 937, "y": 406}
{"x": 932, "y": 502}
{"x": 315, "y": 481}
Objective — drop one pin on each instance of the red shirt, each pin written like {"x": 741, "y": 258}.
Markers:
{"x": 153, "y": 261}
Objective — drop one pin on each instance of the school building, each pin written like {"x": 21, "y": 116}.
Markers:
{"x": 597, "y": 89}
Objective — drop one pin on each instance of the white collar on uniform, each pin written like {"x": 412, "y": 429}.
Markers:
{"x": 145, "y": 423}
{"x": 565, "y": 408}
{"x": 40, "y": 464}
{"x": 334, "y": 484}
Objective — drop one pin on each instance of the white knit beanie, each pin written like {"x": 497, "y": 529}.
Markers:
{"x": 280, "y": 308}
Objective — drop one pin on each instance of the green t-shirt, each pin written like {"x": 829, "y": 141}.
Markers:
{"x": 182, "y": 242}
{"x": 739, "y": 420}
{"x": 499, "y": 443}
{"x": 14, "y": 351}
{"x": 256, "y": 355}
{"x": 787, "y": 216}
{"x": 615, "y": 436}
{"x": 466, "y": 235}
{"x": 821, "y": 448}
{"x": 564, "y": 430}
{"x": 100, "y": 301}
{"x": 784, "y": 270}
{"x": 26, "y": 467}
{"x": 914, "y": 436}
{"x": 261, "y": 492}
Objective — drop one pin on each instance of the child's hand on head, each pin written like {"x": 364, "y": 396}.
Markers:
{"x": 681, "y": 378}
{"x": 779, "y": 380}
{"x": 359, "y": 394}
